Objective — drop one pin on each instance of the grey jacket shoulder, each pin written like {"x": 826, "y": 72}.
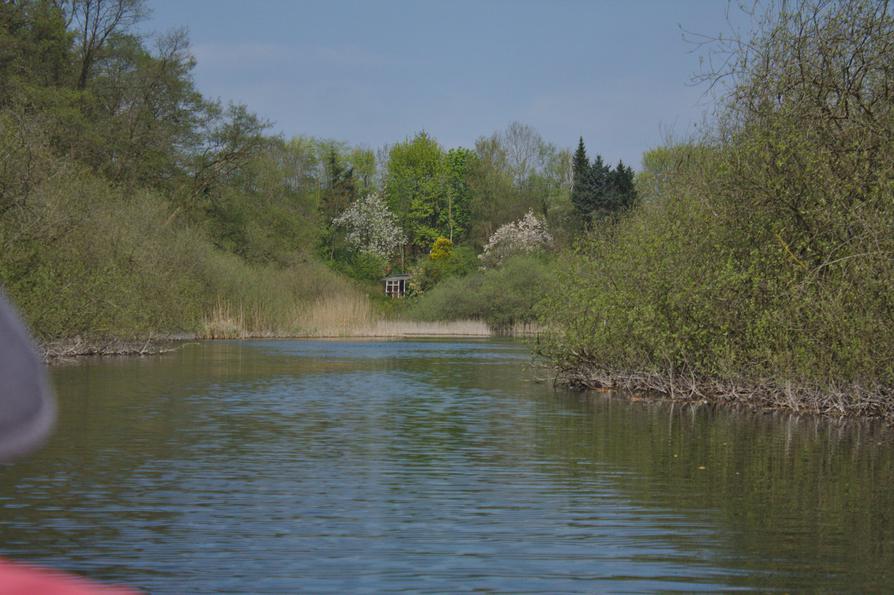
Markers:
{"x": 27, "y": 407}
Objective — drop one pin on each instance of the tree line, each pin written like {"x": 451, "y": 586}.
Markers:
{"x": 105, "y": 136}
{"x": 600, "y": 190}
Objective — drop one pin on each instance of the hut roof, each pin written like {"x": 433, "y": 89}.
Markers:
{"x": 396, "y": 277}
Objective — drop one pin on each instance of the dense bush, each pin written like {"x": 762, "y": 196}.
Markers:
{"x": 82, "y": 257}
{"x": 501, "y": 297}
{"x": 763, "y": 256}
{"x": 362, "y": 266}
{"x": 528, "y": 235}
{"x": 428, "y": 272}
{"x": 130, "y": 204}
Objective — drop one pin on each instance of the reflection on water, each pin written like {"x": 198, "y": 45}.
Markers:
{"x": 435, "y": 466}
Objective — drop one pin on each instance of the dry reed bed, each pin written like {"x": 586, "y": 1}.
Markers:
{"x": 341, "y": 315}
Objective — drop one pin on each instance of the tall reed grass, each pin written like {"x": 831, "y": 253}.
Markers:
{"x": 338, "y": 315}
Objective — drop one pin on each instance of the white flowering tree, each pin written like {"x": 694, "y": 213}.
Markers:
{"x": 525, "y": 236}
{"x": 372, "y": 227}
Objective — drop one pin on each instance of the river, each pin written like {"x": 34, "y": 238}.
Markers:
{"x": 434, "y": 466}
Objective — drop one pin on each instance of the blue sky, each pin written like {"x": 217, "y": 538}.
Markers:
{"x": 371, "y": 73}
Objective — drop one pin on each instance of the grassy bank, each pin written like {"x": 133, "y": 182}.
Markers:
{"x": 84, "y": 259}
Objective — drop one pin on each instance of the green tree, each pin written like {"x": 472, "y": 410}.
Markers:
{"x": 97, "y": 22}
{"x": 598, "y": 190}
{"x": 417, "y": 189}
{"x": 441, "y": 248}
{"x": 601, "y": 199}
{"x": 553, "y": 191}
{"x": 35, "y": 47}
{"x": 338, "y": 194}
{"x": 231, "y": 137}
{"x": 621, "y": 189}
{"x": 340, "y": 190}
{"x": 148, "y": 111}
{"x": 363, "y": 165}
{"x": 490, "y": 182}
{"x": 581, "y": 190}
{"x": 460, "y": 164}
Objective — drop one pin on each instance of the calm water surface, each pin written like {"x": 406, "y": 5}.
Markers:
{"x": 316, "y": 466}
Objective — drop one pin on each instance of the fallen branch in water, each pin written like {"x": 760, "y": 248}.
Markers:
{"x": 80, "y": 347}
{"x": 847, "y": 399}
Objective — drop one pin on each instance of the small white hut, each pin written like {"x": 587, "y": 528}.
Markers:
{"x": 396, "y": 285}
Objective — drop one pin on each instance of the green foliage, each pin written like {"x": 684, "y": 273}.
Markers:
{"x": 766, "y": 256}
{"x": 493, "y": 193}
{"x": 441, "y": 248}
{"x": 460, "y": 163}
{"x": 35, "y": 47}
{"x": 362, "y": 266}
{"x": 516, "y": 171}
{"x": 81, "y": 257}
{"x": 340, "y": 189}
{"x": 501, "y": 297}
{"x": 131, "y": 205}
{"x": 428, "y": 272}
{"x": 416, "y": 188}
{"x": 363, "y": 170}
{"x": 580, "y": 192}
{"x": 662, "y": 165}
{"x": 600, "y": 190}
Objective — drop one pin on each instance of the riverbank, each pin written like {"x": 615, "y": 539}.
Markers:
{"x": 383, "y": 329}
{"x": 842, "y": 400}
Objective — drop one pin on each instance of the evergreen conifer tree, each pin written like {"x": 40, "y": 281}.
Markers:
{"x": 599, "y": 190}
{"x": 581, "y": 195}
{"x": 600, "y": 187}
{"x": 623, "y": 193}
{"x": 628, "y": 187}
